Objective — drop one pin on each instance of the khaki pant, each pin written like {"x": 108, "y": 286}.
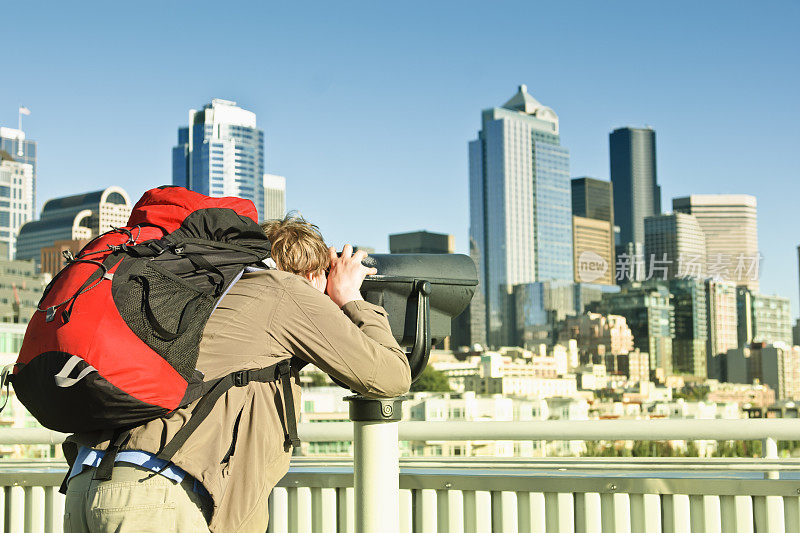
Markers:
{"x": 135, "y": 499}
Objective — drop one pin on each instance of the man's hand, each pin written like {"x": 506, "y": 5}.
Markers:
{"x": 346, "y": 275}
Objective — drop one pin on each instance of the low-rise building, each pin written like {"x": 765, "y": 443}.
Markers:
{"x": 53, "y": 258}
{"x": 21, "y": 288}
{"x": 431, "y": 407}
{"x": 81, "y": 216}
{"x": 320, "y": 405}
{"x": 597, "y": 335}
{"x": 528, "y": 376}
{"x": 592, "y": 377}
{"x": 777, "y": 365}
{"x": 758, "y": 395}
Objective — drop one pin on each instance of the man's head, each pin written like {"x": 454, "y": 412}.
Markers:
{"x": 298, "y": 247}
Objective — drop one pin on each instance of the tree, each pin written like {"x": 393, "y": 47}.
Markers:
{"x": 318, "y": 379}
{"x": 431, "y": 381}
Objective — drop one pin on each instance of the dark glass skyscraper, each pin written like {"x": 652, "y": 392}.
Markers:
{"x": 637, "y": 194}
{"x": 593, "y": 198}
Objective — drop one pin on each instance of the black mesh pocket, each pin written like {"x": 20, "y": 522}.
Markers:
{"x": 167, "y": 313}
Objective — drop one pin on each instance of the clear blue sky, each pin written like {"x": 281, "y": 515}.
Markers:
{"x": 368, "y": 106}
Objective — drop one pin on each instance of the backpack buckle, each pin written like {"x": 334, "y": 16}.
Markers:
{"x": 241, "y": 378}
{"x": 156, "y": 247}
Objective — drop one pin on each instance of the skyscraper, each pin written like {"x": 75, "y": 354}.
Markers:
{"x": 648, "y": 310}
{"x": 274, "y": 197}
{"x": 520, "y": 206}
{"x": 762, "y": 318}
{"x": 593, "y": 250}
{"x": 539, "y": 306}
{"x": 637, "y": 194}
{"x": 421, "y": 242}
{"x": 16, "y": 201}
{"x": 730, "y": 224}
{"x": 674, "y": 246}
{"x": 722, "y": 317}
{"x": 21, "y": 150}
{"x": 81, "y": 216}
{"x": 221, "y": 153}
{"x": 593, "y": 231}
{"x": 593, "y": 198}
{"x": 689, "y": 342}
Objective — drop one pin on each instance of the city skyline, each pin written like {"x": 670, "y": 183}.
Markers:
{"x": 368, "y": 154}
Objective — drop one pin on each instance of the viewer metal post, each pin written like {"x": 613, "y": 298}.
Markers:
{"x": 376, "y": 467}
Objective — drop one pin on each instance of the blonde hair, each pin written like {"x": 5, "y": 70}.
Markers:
{"x": 297, "y": 245}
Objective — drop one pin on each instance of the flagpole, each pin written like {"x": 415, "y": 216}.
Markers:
{"x": 20, "y": 153}
{"x": 21, "y": 110}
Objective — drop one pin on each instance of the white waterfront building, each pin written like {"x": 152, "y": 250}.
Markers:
{"x": 274, "y": 197}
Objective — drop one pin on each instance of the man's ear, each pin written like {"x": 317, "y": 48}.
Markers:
{"x": 317, "y": 281}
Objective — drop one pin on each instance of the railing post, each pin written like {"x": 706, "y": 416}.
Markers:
{"x": 769, "y": 450}
{"x": 376, "y": 463}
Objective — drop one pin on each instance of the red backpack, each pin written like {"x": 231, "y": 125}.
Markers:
{"x": 114, "y": 342}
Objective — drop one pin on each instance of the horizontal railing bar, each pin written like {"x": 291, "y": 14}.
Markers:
{"x": 560, "y": 484}
{"x": 11, "y": 436}
{"x": 744, "y": 429}
{"x": 548, "y": 430}
{"x": 511, "y": 465}
{"x": 522, "y": 482}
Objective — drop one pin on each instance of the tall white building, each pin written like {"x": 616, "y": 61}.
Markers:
{"x": 16, "y": 201}
{"x": 15, "y": 143}
{"x": 274, "y": 197}
{"x": 722, "y": 317}
{"x": 730, "y": 224}
{"x": 221, "y": 153}
{"x": 520, "y": 205}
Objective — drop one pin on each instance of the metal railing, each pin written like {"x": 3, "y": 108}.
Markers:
{"x": 504, "y": 494}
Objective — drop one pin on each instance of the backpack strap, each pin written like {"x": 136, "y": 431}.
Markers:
{"x": 288, "y": 404}
{"x": 106, "y": 466}
{"x": 279, "y": 371}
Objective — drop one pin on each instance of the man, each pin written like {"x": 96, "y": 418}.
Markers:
{"x": 221, "y": 477}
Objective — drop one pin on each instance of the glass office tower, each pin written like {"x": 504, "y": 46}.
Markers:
{"x": 637, "y": 194}
{"x": 520, "y": 206}
{"x": 221, "y": 153}
{"x": 593, "y": 198}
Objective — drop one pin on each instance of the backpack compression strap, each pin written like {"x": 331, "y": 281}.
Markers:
{"x": 280, "y": 371}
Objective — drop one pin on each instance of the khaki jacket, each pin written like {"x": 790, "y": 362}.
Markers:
{"x": 238, "y": 452}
